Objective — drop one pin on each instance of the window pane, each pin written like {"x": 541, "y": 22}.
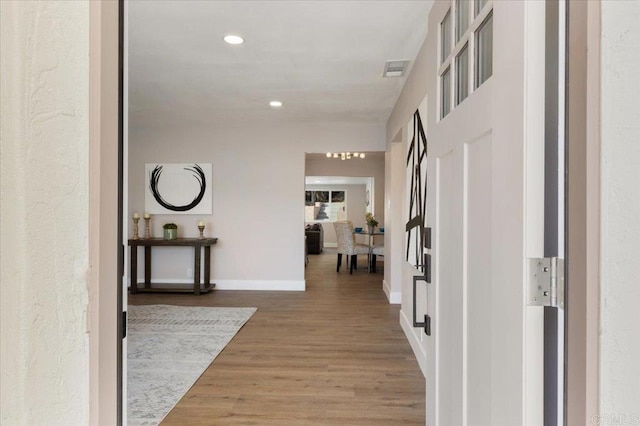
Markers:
{"x": 327, "y": 206}
{"x": 479, "y": 4}
{"x": 322, "y": 211}
{"x": 337, "y": 211}
{"x": 462, "y": 18}
{"x": 309, "y": 213}
{"x": 337, "y": 196}
{"x": 445, "y": 91}
{"x": 321, "y": 196}
{"x": 445, "y": 36}
{"x": 462, "y": 74}
{"x": 484, "y": 50}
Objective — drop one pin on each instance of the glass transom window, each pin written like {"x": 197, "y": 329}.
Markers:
{"x": 468, "y": 62}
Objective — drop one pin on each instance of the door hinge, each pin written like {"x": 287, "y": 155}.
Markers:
{"x": 124, "y": 324}
{"x": 546, "y": 282}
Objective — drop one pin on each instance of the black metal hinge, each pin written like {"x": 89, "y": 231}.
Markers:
{"x": 124, "y": 324}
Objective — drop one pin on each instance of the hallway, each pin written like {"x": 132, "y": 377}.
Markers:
{"x": 333, "y": 355}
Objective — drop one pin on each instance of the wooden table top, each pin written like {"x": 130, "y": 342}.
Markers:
{"x": 177, "y": 242}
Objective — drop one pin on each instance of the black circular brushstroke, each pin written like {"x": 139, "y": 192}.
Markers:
{"x": 154, "y": 179}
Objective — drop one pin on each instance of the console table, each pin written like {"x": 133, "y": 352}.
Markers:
{"x": 196, "y": 243}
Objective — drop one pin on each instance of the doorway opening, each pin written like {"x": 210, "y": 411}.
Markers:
{"x": 339, "y": 189}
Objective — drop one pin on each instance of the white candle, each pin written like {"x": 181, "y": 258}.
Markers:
{"x": 201, "y": 223}
{"x": 136, "y": 216}
{"x": 146, "y": 215}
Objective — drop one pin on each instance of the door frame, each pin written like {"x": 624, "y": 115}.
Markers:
{"x": 583, "y": 227}
{"x": 105, "y": 250}
{"x": 583, "y": 212}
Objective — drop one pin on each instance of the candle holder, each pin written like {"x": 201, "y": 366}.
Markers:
{"x": 135, "y": 228}
{"x": 201, "y": 229}
{"x": 147, "y": 230}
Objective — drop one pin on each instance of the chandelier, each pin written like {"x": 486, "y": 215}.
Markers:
{"x": 345, "y": 155}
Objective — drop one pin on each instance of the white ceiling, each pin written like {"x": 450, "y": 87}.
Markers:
{"x": 323, "y": 59}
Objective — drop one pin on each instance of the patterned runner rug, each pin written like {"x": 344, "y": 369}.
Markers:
{"x": 169, "y": 347}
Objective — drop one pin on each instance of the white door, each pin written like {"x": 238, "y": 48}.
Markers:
{"x": 485, "y": 132}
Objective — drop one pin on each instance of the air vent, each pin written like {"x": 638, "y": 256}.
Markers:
{"x": 395, "y": 68}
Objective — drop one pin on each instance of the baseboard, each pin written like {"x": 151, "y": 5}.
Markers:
{"x": 264, "y": 285}
{"x": 418, "y": 350}
{"x": 330, "y": 245}
{"x": 395, "y": 297}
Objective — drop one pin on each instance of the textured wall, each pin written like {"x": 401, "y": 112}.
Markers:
{"x": 44, "y": 186}
{"x": 620, "y": 274}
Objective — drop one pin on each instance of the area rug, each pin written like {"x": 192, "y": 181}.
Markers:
{"x": 168, "y": 348}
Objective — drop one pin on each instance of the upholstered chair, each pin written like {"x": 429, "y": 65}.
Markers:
{"x": 376, "y": 251}
{"x": 347, "y": 245}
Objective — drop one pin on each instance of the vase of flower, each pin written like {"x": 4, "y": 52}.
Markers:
{"x": 371, "y": 222}
{"x": 170, "y": 231}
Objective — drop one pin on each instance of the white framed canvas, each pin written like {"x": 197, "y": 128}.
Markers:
{"x": 178, "y": 188}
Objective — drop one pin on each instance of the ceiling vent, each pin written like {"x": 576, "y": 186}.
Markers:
{"x": 395, "y": 68}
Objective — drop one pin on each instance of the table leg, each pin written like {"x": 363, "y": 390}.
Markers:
{"x": 133, "y": 275}
{"x": 147, "y": 267}
{"x": 196, "y": 270}
{"x": 207, "y": 265}
{"x": 370, "y": 253}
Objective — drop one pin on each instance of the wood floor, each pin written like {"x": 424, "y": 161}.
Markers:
{"x": 333, "y": 355}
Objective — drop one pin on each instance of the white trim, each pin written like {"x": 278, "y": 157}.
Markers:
{"x": 102, "y": 309}
{"x": 331, "y": 245}
{"x": 418, "y": 349}
{"x": 265, "y": 285}
{"x": 125, "y": 200}
{"x": 394, "y": 297}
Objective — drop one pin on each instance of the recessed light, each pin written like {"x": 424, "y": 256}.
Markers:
{"x": 275, "y": 104}
{"x": 233, "y": 39}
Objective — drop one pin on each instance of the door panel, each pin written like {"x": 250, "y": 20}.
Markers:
{"x": 449, "y": 330}
{"x": 479, "y": 171}
{"x": 478, "y": 279}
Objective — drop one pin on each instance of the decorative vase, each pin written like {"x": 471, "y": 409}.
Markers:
{"x": 370, "y": 229}
{"x": 170, "y": 234}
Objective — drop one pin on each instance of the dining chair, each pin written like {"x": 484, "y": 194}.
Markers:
{"x": 376, "y": 251}
{"x": 347, "y": 245}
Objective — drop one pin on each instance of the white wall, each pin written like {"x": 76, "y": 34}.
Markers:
{"x": 402, "y": 272}
{"x": 395, "y": 163}
{"x": 44, "y": 65}
{"x": 399, "y": 273}
{"x": 258, "y": 189}
{"x": 356, "y": 208}
{"x": 620, "y": 214}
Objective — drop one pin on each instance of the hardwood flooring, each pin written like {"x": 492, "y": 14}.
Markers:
{"x": 332, "y": 355}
